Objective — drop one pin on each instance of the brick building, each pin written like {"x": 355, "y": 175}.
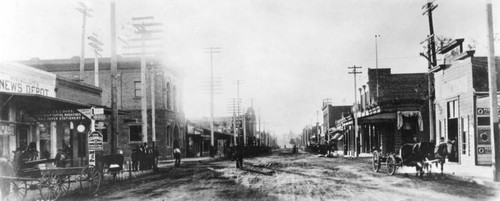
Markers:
{"x": 331, "y": 114}
{"x": 42, "y": 108}
{"x": 462, "y": 104}
{"x": 388, "y": 115}
{"x": 169, "y": 117}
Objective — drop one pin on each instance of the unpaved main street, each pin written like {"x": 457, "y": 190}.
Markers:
{"x": 286, "y": 176}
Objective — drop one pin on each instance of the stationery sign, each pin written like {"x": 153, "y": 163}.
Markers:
{"x": 22, "y": 79}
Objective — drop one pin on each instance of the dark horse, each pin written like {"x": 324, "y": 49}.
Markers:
{"x": 419, "y": 155}
{"x": 425, "y": 154}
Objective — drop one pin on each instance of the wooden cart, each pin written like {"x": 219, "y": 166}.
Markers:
{"x": 410, "y": 154}
{"x": 51, "y": 182}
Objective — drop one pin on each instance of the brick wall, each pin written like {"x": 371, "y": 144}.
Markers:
{"x": 129, "y": 71}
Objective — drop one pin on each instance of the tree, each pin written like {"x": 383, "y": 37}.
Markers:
{"x": 292, "y": 141}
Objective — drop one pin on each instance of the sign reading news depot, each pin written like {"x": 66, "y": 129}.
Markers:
{"x": 22, "y": 79}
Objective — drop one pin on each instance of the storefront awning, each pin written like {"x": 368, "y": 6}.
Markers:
{"x": 35, "y": 102}
{"x": 378, "y": 118}
{"x": 332, "y": 131}
{"x": 338, "y": 136}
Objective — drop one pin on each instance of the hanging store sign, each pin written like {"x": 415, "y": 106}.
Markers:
{"x": 7, "y": 129}
{"x": 59, "y": 115}
{"x": 22, "y": 79}
{"x": 95, "y": 141}
{"x": 93, "y": 113}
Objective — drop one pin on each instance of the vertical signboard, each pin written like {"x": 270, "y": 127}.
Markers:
{"x": 95, "y": 144}
{"x": 483, "y": 136}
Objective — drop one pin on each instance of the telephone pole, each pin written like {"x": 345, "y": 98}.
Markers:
{"x": 429, "y": 7}
{"x": 85, "y": 10}
{"x": 96, "y": 44}
{"x": 238, "y": 83}
{"x": 114, "y": 83}
{"x": 495, "y": 143}
{"x": 142, "y": 27}
{"x": 356, "y": 134}
{"x": 211, "y": 51}
{"x": 431, "y": 58}
{"x": 376, "y": 62}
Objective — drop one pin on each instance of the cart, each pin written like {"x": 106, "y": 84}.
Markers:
{"x": 410, "y": 154}
{"x": 51, "y": 182}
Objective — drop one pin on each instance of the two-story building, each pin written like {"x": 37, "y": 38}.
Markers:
{"x": 170, "y": 124}
{"x": 41, "y": 108}
{"x": 462, "y": 104}
{"x": 391, "y": 111}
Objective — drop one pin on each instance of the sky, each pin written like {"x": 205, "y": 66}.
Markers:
{"x": 289, "y": 55}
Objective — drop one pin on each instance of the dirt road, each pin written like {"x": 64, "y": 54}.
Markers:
{"x": 286, "y": 176}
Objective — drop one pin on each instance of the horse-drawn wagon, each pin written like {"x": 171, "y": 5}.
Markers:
{"x": 50, "y": 181}
{"x": 419, "y": 155}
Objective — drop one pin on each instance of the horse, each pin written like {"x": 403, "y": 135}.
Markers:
{"x": 438, "y": 156}
{"x": 416, "y": 154}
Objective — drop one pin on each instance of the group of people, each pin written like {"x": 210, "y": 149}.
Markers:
{"x": 23, "y": 154}
{"x": 144, "y": 157}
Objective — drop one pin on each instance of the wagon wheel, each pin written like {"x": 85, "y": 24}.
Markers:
{"x": 63, "y": 184}
{"x": 48, "y": 187}
{"x": 93, "y": 176}
{"x": 391, "y": 165}
{"x": 376, "y": 161}
{"x": 18, "y": 190}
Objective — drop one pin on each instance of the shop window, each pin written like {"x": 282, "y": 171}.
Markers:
{"x": 169, "y": 96}
{"x": 135, "y": 133}
{"x": 4, "y": 113}
{"x": 137, "y": 88}
{"x": 452, "y": 109}
{"x": 174, "y": 99}
{"x": 468, "y": 136}
{"x": 440, "y": 130}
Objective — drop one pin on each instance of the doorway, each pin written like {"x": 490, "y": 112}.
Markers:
{"x": 453, "y": 138}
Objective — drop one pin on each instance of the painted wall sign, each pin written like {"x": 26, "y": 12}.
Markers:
{"x": 483, "y": 145}
{"x": 485, "y": 111}
{"x": 483, "y": 134}
{"x": 22, "y": 79}
{"x": 7, "y": 129}
{"x": 59, "y": 115}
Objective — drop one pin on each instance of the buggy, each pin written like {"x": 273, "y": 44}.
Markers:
{"x": 419, "y": 155}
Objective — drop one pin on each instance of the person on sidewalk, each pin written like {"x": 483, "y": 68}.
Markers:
{"x": 61, "y": 158}
{"x": 440, "y": 152}
{"x": 135, "y": 159}
{"x": 177, "y": 156}
{"x": 239, "y": 155}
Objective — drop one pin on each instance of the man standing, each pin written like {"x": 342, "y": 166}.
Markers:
{"x": 239, "y": 155}
{"x": 177, "y": 156}
{"x": 441, "y": 150}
